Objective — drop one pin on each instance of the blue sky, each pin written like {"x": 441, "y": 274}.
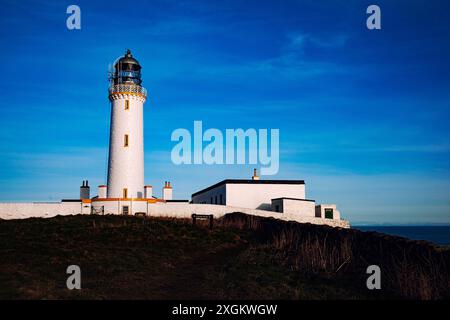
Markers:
{"x": 363, "y": 115}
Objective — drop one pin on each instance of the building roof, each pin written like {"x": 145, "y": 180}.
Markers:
{"x": 248, "y": 181}
{"x": 296, "y": 199}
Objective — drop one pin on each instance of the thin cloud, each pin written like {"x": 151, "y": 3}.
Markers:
{"x": 299, "y": 41}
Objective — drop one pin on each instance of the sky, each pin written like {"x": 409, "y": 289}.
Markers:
{"x": 363, "y": 114}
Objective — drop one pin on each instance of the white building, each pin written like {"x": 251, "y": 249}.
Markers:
{"x": 125, "y": 191}
{"x": 252, "y": 194}
{"x": 284, "y": 196}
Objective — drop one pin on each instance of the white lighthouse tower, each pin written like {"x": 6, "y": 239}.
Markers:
{"x": 126, "y": 144}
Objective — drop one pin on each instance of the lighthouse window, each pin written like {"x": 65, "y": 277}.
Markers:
{"x": 127, "y": 105}
{"x": 125, "y": 193}
{"x": 125, "y": 141}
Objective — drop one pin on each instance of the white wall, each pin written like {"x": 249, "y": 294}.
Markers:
{"x": 259, "y": 196}
{"x": 17, "y": 210}
{"x": 116, "y": 207}
{"x": 126, "y": 164}
{"x": 304, "y": 208}
{"x": 170, "y": 209}
{"x": 183, "y": 210}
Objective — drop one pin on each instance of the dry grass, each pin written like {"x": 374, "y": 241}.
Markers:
{"x": 243, "y": 257}
{"x": 410, "y": 269}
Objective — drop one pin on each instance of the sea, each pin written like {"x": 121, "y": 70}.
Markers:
{"x": 439, "y": 235}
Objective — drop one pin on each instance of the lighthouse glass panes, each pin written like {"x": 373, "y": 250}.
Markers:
{"x": 127, "y": 70}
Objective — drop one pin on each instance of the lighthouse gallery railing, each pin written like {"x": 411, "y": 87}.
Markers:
{"x": 131, "y": 88}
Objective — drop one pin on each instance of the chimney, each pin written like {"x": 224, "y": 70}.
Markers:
{"x": 255, "y": 175}
{"x": 85, "y": 190}
{"x": 102, "y": 191}
{"x": 148, "y": 192}
{"x": 167, "y": 191}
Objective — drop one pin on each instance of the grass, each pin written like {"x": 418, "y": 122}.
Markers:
{"x": 243, "y": 257}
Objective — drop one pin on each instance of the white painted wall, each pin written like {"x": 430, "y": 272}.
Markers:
{"x": 249, "y": 195}
{"x": 259, "y": 196}
{"x": 171, "y": 209}
{"x": 18, "y": 210}
{"x": 126, "y": 164}
{"x": 305, "y": 208}
{"x": 183, "y": 210}
{"x": 116, "y": 207}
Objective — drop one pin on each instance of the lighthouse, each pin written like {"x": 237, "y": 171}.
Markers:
{"x": 126, "y": 193}
{"x": 126, "y": 142}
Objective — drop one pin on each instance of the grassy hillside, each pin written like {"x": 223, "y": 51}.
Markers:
{"x": 243, "y": 257}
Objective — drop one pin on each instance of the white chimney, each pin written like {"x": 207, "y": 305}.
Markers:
{"x": 148, "y": 192}
{"x": 167, "y": 191}
{"x": 102, "y": 189}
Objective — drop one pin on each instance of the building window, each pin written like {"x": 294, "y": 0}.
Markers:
{"x": 125, "y": 193}
{"x": 277, "y": 208}
{"x": 328, "y": 213}
{"x": 221, "y": 200}
{"x": 125, "y": 141}
{"x": 211, "y": 200}
{"x": 216, "y": 200}
{"x": 125, "y": 210}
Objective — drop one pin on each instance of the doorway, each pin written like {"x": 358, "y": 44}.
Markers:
{"x": 328, "y": 213}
